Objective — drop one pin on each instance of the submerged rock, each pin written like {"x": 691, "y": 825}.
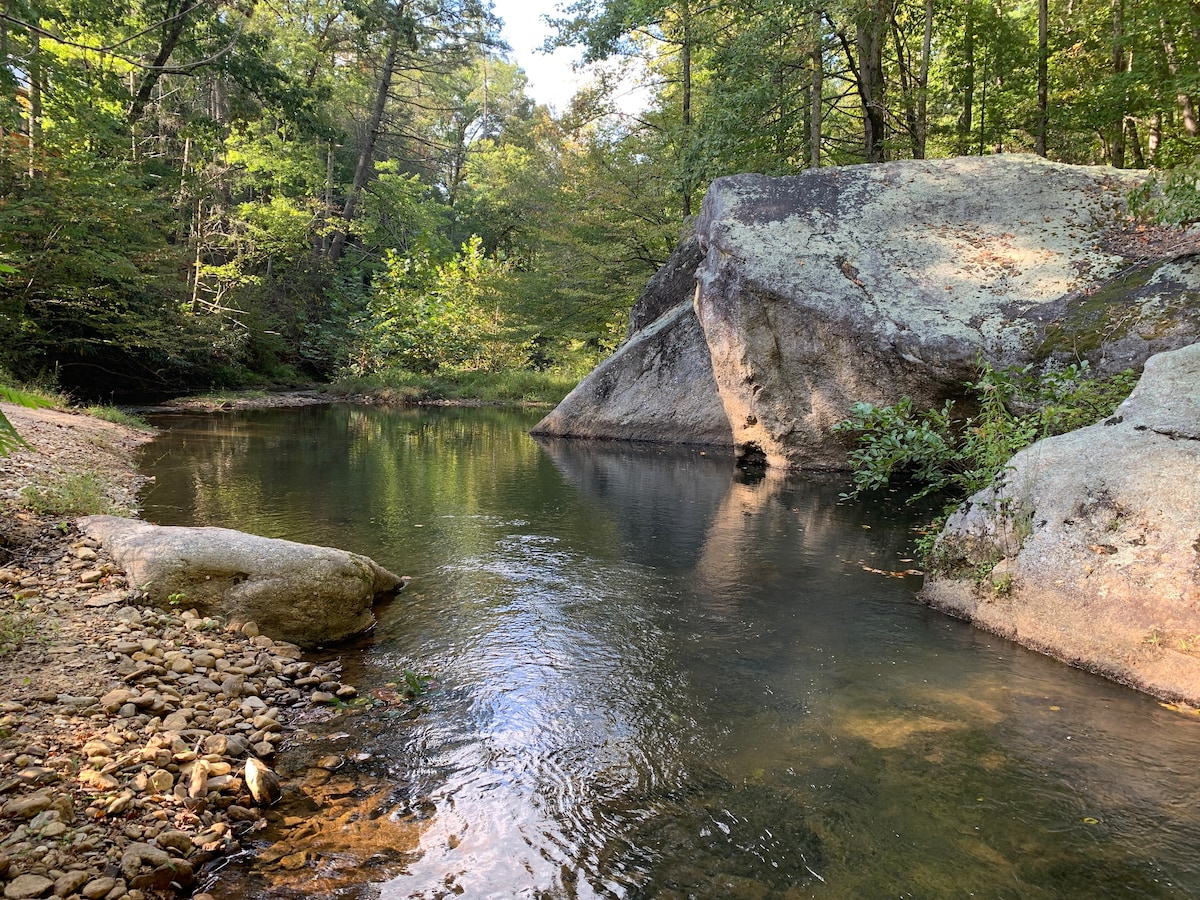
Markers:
{"x": 300, "y": 593}
{"x": 1088, "y": 545}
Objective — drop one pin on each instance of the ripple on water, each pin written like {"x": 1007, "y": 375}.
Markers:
{"x": 655, "y": 679}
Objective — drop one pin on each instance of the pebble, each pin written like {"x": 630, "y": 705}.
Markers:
{"x": 70, "y": 883}
{"x": 121, "y": 790}
{"x": 27, "y": 886}
{"x": 99, "y": 887}
{"x": 28, "y": 806}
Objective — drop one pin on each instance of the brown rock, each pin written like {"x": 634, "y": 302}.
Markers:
{"x": 24, "y": 887}
{"x": 99, "y": 887}
{"x": 115, "y": 699}
{"x": 28, "y": 806}
{"x": 70, "y": 883}
{"x": 178, "y": 841}
{"x": 262, "y": 783}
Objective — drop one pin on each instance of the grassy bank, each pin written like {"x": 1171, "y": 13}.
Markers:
{"x": 519, "y": 386}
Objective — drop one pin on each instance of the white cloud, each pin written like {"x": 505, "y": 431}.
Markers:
{"x": 551, "y": 78}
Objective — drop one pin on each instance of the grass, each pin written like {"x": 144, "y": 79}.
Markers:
{"x": 15, "y": 627}
{"x": 73, "y": 494}
{"x": 514, "y": 386}
{"x": 119, "y": 417}
{"x": 219, "y": 397}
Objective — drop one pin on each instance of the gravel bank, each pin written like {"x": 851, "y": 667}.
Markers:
{"x": 128, "y": 735}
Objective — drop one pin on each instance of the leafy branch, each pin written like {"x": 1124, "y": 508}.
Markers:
{"x": 936, "y": 453}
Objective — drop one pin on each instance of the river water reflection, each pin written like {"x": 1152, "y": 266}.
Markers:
{"x": 654, "y": 678}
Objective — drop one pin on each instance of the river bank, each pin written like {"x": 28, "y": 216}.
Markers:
{"x": 125, "y": 731}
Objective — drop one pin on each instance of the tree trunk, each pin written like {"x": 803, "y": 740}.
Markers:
{"x": 1133, "y": 143}
{"x": 870, "y": 29}
{"x": 1043, "y": 76}
{"x": 983, "y": 86}
{"x": 1117, "y": 147}
{"x": 35, "y": 94}
{"x": 366, "y": 153}
{"x": 6, "y": 82}
{"x": 686, "y": 117}
{"x": 172, "y": 30}
{"x": 1154, "y": 138}
{"x": 817, "y": 57}
{"x": 908, "y": 88}
{"x": 966, "y": 116}
{"x": 923, "y": 83}
{"x": 1187, "y": 109}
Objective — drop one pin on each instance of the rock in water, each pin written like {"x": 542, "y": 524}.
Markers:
{"x": 876, "y": 282}
{"x": 262, "y": 782}
{"x": 300, "y": 593}
{"x": 1093, "y": 540}
{"x": 659, "y": 386}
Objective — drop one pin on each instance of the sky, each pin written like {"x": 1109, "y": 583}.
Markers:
{"x": 551, "y": 79}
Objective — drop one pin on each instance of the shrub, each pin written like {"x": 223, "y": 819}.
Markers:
{"x": 73, "y": 494}
{"x": 119, "y": 417}
{"x": 937, "y": 452}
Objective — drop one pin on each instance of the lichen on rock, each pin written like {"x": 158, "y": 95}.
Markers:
{"x": 878, "y": 282}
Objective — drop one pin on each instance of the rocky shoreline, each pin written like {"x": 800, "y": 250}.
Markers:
{"x": 127, "y": 733}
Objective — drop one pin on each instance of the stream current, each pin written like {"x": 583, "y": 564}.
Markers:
{"x": 654, "y": 677}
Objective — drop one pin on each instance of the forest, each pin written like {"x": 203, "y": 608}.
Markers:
{"x": 199, "y": 194}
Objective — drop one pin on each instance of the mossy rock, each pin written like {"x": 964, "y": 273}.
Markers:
{"x": 1119, "y": 323}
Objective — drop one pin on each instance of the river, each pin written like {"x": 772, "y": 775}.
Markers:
{"x": 650, "y": 675}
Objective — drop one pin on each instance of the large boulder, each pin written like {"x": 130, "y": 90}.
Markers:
{"x": 674, "y": 283}
{"x": 878, "y": 282}
{"x": 295, "y": 592}
{"x": 657, "y": 387}
{"x": 1088, "y": 545}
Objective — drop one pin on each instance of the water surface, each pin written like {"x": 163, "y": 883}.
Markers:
{"x": 656, "y": 678}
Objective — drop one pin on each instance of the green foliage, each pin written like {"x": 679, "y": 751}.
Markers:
{"x": 939, "y": 453}
{"x": 119, "y": 417}
{"x": 1170, "y": 198}
{"x": 431, "y": 314}
{"x": 73, "y": 494}
{"x": 506, "y": 386}
{"x": 10, "y": 441}
{"x": 15, "y": 627}
{"x": 415, "y": 684}
{"x": 258, "y": 206}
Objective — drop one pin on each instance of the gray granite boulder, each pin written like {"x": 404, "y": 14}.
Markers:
{"x": 1088, "y": 546}
{"x": 872, "y": 283}
{"x": 300, "y": 593}
{"x": 879, "y": 282}
{"x": 659, "y": 384}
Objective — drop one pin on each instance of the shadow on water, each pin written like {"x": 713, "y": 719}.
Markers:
{"x": 656, "y": 677}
